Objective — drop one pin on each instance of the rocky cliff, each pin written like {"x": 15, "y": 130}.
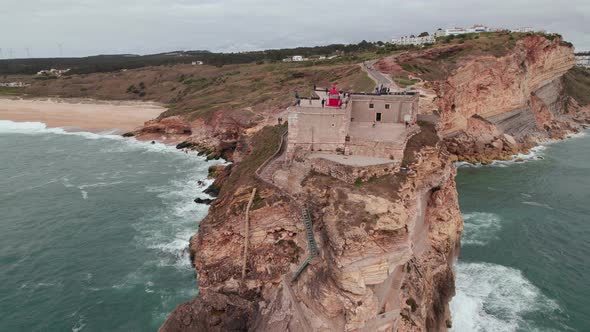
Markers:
{"x": 491, "y": 107}
{"x": 385, "y": 246}
{"x": 386, "y": 249}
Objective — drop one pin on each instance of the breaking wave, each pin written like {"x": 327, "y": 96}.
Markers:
{"x": 535, "y": 153}
{"x": 495, "y": 298}
{"x": 480, "y": 228}
{"x": 39, "y": 128}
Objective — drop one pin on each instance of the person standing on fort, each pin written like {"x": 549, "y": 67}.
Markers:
{"x": 323, "y": 102}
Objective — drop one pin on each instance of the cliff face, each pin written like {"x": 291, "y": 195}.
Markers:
{"x": 385, "y": 253}
{"x": 386, "y": 246}
{"x": 492, "y": 107}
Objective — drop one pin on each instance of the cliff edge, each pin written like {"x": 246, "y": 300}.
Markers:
{"x": 330, "y": 255}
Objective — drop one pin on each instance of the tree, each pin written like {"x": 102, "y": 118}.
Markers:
{"x": 424, "y": 34}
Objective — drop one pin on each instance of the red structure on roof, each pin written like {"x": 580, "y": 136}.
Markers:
{"x": 334, "y": 98}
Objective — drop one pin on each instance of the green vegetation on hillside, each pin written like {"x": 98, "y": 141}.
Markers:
{"x": 199, "y": 91}
{"x": 109, "y": 63}
{"x": 7, "y": 91}
{"x": 260, "y": 87}
{"x": 404, "y": 81}
{"x": 264, "y": 144}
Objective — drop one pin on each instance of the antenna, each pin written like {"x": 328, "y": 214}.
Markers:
{"x": 60, "y": 49}
{"x": 28, "y": 52}
{"x": 1, "y": 52}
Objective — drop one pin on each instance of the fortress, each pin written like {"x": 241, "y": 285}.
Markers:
{"x": 372, "y": 125}
{"x": 352, "y": 136}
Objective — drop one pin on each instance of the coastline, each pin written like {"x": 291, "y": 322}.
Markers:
{"x": 541, "y": 198}
{"x": 525, "y": 155}
{"x": 80, "y": 114}
{"x": 168, "y": 177}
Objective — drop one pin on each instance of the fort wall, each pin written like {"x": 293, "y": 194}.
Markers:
{"x": 317, "y": 129}
{"x": 351, "y": 174}
{"x": 392, "y": 108}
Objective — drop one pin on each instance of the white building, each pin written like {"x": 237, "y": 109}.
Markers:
{"x": 297, "y": 58}
{"x": 461, "y": 31}
{"x": 197, "y": 63}
{"x": 455, "y": 31}
{"x": 478, "y": 29}
{"x": 583, "y": 60}
{"x": 439, "y": 33}
{"x": 522, "y": 29}
{"x": 52, "y": 71}
{"x": 14, "y": 85}
{"x": 412, "y": 40}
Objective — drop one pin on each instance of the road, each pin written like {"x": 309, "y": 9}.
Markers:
{"x": 379, "y": 77}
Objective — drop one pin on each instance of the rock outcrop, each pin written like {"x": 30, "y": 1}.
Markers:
{"x": 387, "y": 245}
{"x": 386, "y": 249}
{"x": 491, "y": 108}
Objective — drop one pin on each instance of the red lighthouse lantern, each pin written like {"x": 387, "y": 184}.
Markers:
{"x": 334, "y": 98}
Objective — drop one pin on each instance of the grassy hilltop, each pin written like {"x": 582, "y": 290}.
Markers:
{"x": 244, "y": 82}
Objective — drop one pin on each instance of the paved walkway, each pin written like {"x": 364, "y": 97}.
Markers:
{"x": 379, "y": 77}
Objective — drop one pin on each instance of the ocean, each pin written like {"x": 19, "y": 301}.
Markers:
{"x": 94, "y": 233}
{"x": 525, "y": 255}
{"x": 94, "y": 230}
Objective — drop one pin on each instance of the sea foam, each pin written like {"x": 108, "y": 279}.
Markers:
{"x": 495, "y": 298}
{"x": 535, "y": 153}
{"x": 480, "y": 228}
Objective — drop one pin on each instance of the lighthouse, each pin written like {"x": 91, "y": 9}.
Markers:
{"x": 334, "y": 98}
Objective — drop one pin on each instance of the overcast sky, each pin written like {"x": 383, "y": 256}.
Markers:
{"x": 44, "y": 28}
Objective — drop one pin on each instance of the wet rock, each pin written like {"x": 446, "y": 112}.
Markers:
{"x": 207, "y": 201}
{"x": 184, "y": 145}
{"x": 213, "y": 190}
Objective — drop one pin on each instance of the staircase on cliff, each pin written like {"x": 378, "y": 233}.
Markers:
{"x": 311, "y": 244}
{"x": 265, "y": 172}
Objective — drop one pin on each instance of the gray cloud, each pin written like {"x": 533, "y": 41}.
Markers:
{"x": 84, "y": 27}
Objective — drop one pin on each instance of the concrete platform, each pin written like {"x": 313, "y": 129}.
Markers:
{"x": 355, "y": 161}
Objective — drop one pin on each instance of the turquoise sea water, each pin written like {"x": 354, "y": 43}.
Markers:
{"x": 93, "y": 230}
{"x": 525, "y": 256}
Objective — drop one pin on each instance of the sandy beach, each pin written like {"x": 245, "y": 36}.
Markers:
{"x": 80, "y": 115}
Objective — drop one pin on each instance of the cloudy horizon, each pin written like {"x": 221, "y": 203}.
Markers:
{"x": 44, "y": 28}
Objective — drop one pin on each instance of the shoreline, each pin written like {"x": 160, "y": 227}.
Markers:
{"x": 80, "y": 114}
{"x": 532, "y": 153}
